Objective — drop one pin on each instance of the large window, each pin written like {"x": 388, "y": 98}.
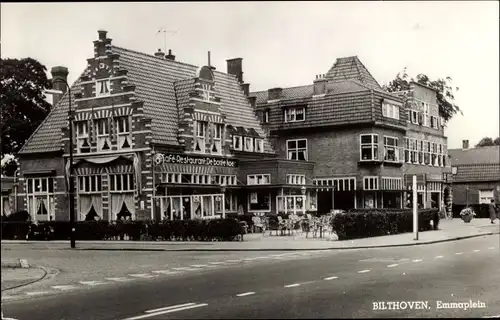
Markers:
{"x": 390, "y": 111}
{"x": 292, "y": 204}
{"x": 370, "y": 183}
{"x": 216, "y": 147}
{"x": 391, "y": 150}
{"x": 121, "y": 182}
{"x": 231, "y": 200}
{"x": 258, "y": 179}
{"x": 434, "y": 154}
{"x": 414, "y": 152}
{"x": 200, "y": 132}
{"x": 296, "y": 149}
{"x": 295, "y": 114}
{"x": 103, "y": 88}
{"x": 40, "y": 195}
{"x": 82, "y": 136}
{"x": 89, "y": 196}
{"x": 102, "y": 134}
{"x": 426, "y": 113}
{"x": 369, "y": 147}
{"x": 259, "y": 201}
{"x": 121, "y": 187}
{"x": 122, "y": 125}
{"x": 485, "y": 196}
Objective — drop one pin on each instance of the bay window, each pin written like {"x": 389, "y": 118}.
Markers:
{"x": 369, "y": 147}
{"x": 296, "y": 179}
{"x": 40, "y": 196}
{"x": 391, "y": 150}
{"x": 296, "y": 149}
{"x": 259, "y": 201}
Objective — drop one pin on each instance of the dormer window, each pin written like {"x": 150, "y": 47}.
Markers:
{"x": 237, "y": 143}
{"x": 248, "y": 144}
{"x": 265, "y": 116}
{"x": 82, "y": 136}
{"x": 295, "y": 114}
{"x": 390, "y": 110}
{"x": 103, "y": 88}
{"x": 259, "y": 145}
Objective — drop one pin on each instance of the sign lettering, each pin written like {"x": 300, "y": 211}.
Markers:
{"x": 161, "y": 158}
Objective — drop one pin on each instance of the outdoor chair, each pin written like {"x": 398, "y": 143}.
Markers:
{"x": 257, "y": 222}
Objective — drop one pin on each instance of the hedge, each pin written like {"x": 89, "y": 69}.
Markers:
{"x": 357, "y": 224}
{"x": 184, "y": 230}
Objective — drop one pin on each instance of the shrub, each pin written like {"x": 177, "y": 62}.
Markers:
{"x": 376, "y": 222}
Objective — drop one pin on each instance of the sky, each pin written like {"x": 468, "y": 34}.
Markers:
{"x": 285, "y": 44}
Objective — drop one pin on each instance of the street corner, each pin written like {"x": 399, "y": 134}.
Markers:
{"x": 15, "y": 278}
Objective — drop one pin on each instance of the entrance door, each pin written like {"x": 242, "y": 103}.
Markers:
{"x": 325, "y": 203}
{"x": 435, "y": 203}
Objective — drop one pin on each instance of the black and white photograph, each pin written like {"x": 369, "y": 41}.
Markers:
{"x": 250, "y": 160}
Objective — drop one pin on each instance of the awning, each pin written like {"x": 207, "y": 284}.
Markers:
{"x": 40, "y": 173}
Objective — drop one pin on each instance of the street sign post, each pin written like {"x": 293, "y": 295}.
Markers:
{"x": 415, "y": 209}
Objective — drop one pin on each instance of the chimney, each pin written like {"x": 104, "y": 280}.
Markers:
{"x": 102, "y": 34}
{"x": 274, "y": 94}
{"x": 465, "y": 144}
{"x": 58, "y": 72}
{"x": 160, "y": 54}
{"x": 246, "y": 88}
{"x": 320, "y": 84}
{"x": 209, "y": 64}
{"x": 170, "y": 56}
{"x": 235, "y": 67}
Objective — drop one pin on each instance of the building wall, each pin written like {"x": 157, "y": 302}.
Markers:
{"x": 460, "y": 193}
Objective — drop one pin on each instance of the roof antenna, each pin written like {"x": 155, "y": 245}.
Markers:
{"x": 165, "y": 31}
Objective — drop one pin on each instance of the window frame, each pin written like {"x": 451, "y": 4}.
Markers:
{"x": 373, "y": 183}
{"x": 264, "y": 194}
{"x": 253, "y": 179}
{"x": 99, "y": 87}
{"x": 47, "y": 191}
{"x": 292, "y": 113}
{"x": 251, "y": 147}
{"x": 297, "y": 150}
{"x": 394, "y": 110}
{"x": 372, "y": 146}
{"x": 240, "y": 139}
{"x": 259, "y": 145}
{"x": 395, "y": 147}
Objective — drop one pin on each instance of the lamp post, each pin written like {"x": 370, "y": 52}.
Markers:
{"x": 71, "y": 186}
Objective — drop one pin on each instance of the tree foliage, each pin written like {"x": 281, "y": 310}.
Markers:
{"x": 22, "y": 87}
{"x": 487, "y": 141}
{"x": 443, "y": 86}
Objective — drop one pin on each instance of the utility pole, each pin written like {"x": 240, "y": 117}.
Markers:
{"x": 165, "y": 31}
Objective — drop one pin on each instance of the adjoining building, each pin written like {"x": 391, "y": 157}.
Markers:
{"x": 155, "y": 138}
{"x": 366, "y": 143}
{"x": 476, "y": 178}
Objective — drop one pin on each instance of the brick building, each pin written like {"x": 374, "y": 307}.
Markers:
{"x": 476, "y": 178}
{"x": 154, "y": 138}
{"x": 364, "y": 142}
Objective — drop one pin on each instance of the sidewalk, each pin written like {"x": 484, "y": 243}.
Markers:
{"x": 448, "y": 230}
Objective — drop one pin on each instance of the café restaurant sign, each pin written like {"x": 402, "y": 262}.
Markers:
{"x": 164, "y": 158}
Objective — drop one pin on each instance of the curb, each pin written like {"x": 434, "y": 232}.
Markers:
{"x": 45, "y": 275}
{"x": 20, "y": 263}
{"x": 272, "y": 249}
{"x": 287, "y": 249}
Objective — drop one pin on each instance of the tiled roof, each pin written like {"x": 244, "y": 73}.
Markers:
{"x": 286, "y": 94}
{"x": 482, "y": 155}
{"x": 154, "y": 79}
{"x": 47, "y": 137}
{"x": 477, "y": 172}
{"x": 351, "y": 68}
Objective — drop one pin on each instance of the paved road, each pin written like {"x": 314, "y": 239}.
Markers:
{"x": 338, "y": 284}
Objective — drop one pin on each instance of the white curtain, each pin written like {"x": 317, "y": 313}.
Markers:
{"x": 137, "y": 171}
{"x": 85, "y": 205}
{"x": 38, "y": 205}
{"x": 97, "y": 203}
{"x": 117, "y": 200}
{"x": 176, "y": 208}
{"x": 129, "y": 202}
{"x": 46, "y": 205}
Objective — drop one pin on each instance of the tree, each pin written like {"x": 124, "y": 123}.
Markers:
{"x": 22, "y": 87}
{"x": 487, "y": 141}
{"x": 444, "y": 88}
{"x": 9, "y": 165}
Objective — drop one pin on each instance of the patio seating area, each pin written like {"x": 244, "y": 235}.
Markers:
{"x": 307, "y": 225}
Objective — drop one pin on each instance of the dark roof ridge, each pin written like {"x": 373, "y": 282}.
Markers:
{"x": 58, "y": 105}
{"x": 152, "y": 56}
{"x": 301, "y": 86}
